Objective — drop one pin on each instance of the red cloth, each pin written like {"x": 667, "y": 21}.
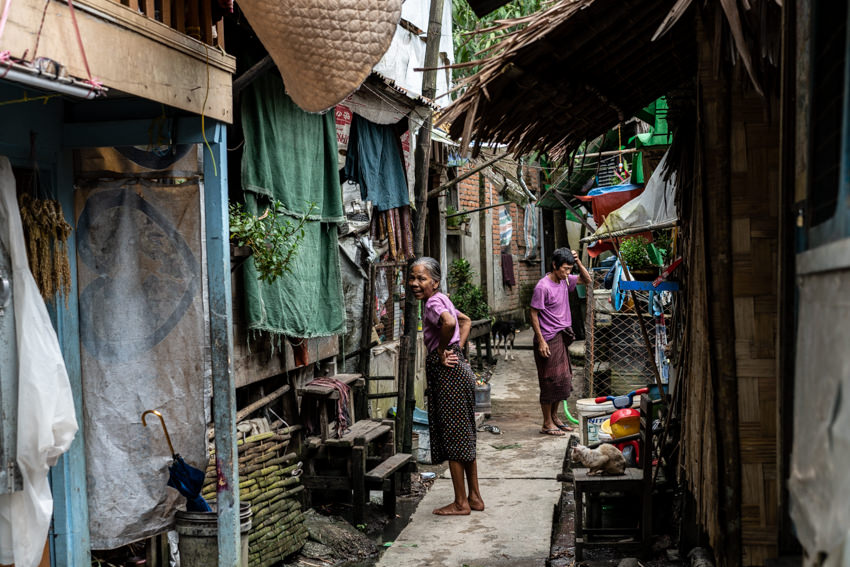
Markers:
{"x": 603, "y": 204}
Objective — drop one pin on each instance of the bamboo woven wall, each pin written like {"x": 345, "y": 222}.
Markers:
{"x": 729, "y": 361}
{"x": 755, "y": 194}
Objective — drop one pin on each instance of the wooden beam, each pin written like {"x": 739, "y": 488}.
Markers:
{"x": 251, "y": 74}
{"x": 483, "y": 250}
{"x": 422, "y": 172}
{"x": 714, "y": 179}
{"x": 221, "y": 346}
{"x": 206, "y": 22}
{"x": 131, "y": 133}
{"x": 469, "y": 173}
{"x": 180, "y": 15}
{"x": 166, "y": 12}
{"x": 262, "y": 402}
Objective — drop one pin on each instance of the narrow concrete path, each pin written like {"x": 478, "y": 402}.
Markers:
{"x": 517, "y": 472}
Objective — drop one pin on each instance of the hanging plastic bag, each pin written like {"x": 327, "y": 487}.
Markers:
{"x": 46, "y": 419}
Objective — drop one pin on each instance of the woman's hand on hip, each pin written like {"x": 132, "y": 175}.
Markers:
{"x": 448, "y": 357}
{"x": 543, "y": 349}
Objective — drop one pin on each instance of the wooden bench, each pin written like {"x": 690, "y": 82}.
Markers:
{"x": 636, "y": 484}
{"x": 324, "y": 396}
{"x": 369, "y": 445}
{"x": 385, "y": 475}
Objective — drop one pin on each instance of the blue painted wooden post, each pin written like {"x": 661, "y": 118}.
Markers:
{"x": 71, "y": 544}
{"x": 221, "y": 341}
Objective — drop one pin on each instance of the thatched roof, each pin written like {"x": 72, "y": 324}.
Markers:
{"x": 570, "y": 73}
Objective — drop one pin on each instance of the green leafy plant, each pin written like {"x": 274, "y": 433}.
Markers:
{"x": 455, "y": 221}
{"x": 664, "y": 243}
{"x": 466, "y": 296}
{"x": 273, "y": 237}
{"x": 633, "y": 253}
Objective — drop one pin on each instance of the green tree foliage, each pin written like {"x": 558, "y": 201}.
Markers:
{"x": 472, "y": 47}
{"x": 467, "y": 297}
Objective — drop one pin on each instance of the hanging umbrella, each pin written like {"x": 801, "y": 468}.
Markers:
{"x": 185, "y": 478}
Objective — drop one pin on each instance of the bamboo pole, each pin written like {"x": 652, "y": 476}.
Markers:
{"x": 421, "y": 157}
{"x": 465, "y": 175}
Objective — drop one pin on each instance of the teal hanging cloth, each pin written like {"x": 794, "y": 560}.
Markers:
{"x": 291, "y": 156}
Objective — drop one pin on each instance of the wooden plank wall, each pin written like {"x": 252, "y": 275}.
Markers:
{"x": 755, "y": 225}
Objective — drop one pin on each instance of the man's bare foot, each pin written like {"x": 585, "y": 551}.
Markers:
{"x": 452, "y": 509}
{"x": 476, "y": 503}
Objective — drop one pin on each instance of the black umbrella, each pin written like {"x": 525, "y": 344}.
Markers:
{"x": 185, "y": 478}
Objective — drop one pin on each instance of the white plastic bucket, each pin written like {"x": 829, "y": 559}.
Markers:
{"x": 591, "y": 415}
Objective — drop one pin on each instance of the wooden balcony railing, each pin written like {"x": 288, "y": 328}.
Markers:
{"x": 190, "y": 17}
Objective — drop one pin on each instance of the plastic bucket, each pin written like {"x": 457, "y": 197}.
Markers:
{"x": 581, "y": 290}
{"x": 482, "y": 398}
{"x": 198, "y": 533}
{"x": 423, "y": 448}
{"x": 591, "y": 416}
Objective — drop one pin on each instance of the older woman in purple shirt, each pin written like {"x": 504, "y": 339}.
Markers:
{"x": 552, "y": 324}
{"x": 451, "y": 387}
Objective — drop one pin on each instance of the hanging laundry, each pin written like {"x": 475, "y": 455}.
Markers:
{"x": 291, "y": 156}
{"x": 506, "y": 227}
{"x": 530, "y": 229}
{"x": 508, "y": 277}
{"x": 374, "y": 160}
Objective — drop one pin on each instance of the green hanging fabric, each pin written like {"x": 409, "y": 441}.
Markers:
{"x": 291, "y": 156}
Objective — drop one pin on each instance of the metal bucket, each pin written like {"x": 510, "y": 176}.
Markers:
{"x": 199, "y": 536}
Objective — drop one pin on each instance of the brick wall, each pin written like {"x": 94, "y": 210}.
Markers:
{"x": 504, "y": 300}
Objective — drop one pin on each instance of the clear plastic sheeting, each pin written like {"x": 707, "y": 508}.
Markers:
{"x": 47, "y": 421}
{"x": 819, "y": 480}
{"x": 655, "y": 206}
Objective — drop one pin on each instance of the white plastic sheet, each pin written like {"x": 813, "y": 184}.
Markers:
{"x": 656, "y": 205}
{"x": 819, "y": 481}
{"x": 407, "y": 50}
{"x": 46, "y": 419}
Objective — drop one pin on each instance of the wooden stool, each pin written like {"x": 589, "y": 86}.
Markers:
{"x": 637, "y": 483}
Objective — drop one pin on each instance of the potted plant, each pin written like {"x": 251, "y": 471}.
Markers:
{"x": 457, "y": 222}
{"x": 272, "y": 238}
{"x": 634, "y": 255}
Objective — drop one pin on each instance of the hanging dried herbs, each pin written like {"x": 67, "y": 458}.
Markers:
{"x": 46, "y": 232}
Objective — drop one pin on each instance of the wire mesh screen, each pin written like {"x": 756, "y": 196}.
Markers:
{"x": 617, "y": 358}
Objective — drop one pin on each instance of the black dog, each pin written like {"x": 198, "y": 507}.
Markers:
{"x": 503, "y": 334}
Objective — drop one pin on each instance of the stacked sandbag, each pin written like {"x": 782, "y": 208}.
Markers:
{"x": 269, "y": 478}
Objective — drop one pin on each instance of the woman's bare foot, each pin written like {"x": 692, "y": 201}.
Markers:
{"x": 453, "y": 509}
{"x": 476, "y": 503}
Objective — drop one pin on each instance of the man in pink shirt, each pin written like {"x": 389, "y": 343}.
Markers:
{"x": 552, "y": 324}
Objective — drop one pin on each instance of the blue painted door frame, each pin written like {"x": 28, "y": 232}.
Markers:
{"x": 55, "y": 140}
{"x": 135, "y": 132}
